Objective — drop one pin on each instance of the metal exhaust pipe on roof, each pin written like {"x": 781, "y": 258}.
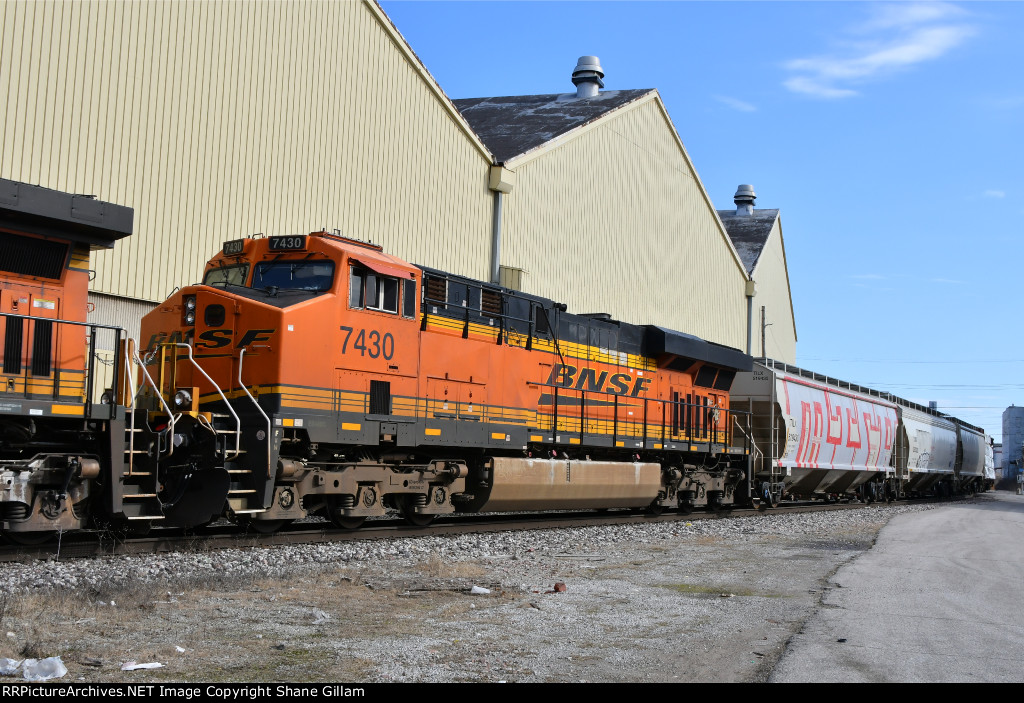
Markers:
{"x": 744, "y": 199}
{"x": 587, "y": 77}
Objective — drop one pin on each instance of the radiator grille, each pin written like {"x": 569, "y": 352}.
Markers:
{"x": 42, "y": 345}
{"x": 12, "y": 345}
{"x": 380, "y": 398}
{"x": 28, "y": 256}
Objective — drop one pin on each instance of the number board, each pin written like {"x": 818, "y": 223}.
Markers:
{"x": 290, "y": 243}
{"x": 234, "y": 247}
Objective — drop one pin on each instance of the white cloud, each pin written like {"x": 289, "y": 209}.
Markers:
{"x": 735, "y": 104}
{"x": 994, "y": 194}
{"x": 904, "y": 14}
{"x": 898, "y": 37}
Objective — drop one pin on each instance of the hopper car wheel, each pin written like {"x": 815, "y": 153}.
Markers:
{"x": 408, "y": 507}
{"x": 685, "y": 507}
{"x": 260, "y": 527}
{"x": 28, "y": 539}
{"x": 768, "y": 498}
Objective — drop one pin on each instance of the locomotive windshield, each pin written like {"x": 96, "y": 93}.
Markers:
{"x": 294, "y": 275}
{"x": 227, "y": 276}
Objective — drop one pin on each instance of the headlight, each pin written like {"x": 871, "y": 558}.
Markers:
{"x": 183, "y": 399}
{"x": 190, "y": 302}
{"x": 105, "y": 399}
{"x": 190, "y": 317}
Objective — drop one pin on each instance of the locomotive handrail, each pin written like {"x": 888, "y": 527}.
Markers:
{"x": 91, "y": 351}
{"x": 63, "y": 322}
{"x": 688, "y": 432}
{"x": 241, "y": 356}
{"x": 169, "y": 430}
{"x": 129, "y": 381}
{"x": 238, "y": 423}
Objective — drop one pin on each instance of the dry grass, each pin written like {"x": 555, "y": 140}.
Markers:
{"x": 244, "y": 629}
{"x": 436, "y": 567}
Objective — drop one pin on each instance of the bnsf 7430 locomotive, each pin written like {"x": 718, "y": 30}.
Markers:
{"x": 316, "y": 373}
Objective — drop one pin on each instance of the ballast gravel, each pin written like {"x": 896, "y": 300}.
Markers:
{"x": 697, "y": 600}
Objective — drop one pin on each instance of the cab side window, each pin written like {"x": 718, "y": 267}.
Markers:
{"x": 368, "y": 290}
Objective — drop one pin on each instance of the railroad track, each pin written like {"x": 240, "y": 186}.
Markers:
{"x": 91, "y": 544}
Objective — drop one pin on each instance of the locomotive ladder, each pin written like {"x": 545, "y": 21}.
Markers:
{"x": 242, "y": 495}
{"x": 139, "y": 487}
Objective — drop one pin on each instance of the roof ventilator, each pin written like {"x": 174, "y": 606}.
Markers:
{"x": 744, "y": 200}
{"x": 587, "y": 77}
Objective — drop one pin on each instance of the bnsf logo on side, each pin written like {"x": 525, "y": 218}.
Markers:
{"x": 212, "y": 339}
{"x": 591, "y": 380}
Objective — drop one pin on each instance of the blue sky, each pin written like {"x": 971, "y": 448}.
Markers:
{"x": 891, "y": 136}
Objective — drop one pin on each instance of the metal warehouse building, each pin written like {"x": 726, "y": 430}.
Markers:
{"x": 219, "y": 120}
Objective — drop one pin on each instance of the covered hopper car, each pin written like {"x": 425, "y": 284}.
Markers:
{"x": 817, "y": 436}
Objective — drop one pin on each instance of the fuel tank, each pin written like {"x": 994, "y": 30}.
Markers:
{"x": 563, "y": 484}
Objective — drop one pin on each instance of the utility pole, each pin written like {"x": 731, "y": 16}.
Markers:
{"x": 764, "y": 325}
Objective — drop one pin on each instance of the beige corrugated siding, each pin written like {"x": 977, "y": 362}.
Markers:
{"x": 615, "y": 220}
{"x": 117, "y": 312}
{"x": 215, "y": 120}
{"x": 772, "y": 282}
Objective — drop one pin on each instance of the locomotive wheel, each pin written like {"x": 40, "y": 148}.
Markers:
{"x": 336, "y": 514}
{"x": 28, "y": 539}
{"x": 411, "y": 516}
{"x": 341, "y": 521}
{"x": 654, "y": 509}
{"x": 685, "y": 507}
{"x": 136, "y": 528}
{"x": 261, "y": 527}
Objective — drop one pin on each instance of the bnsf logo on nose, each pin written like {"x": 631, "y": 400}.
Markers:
{"x": 592, "y": 380}
{"x": 213, "y": 339}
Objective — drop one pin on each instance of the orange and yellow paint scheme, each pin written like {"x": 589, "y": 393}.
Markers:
{"x": 360, "y": 380}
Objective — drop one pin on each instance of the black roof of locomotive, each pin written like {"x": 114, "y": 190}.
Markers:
{"x": 659, "y": 340}
{"x": 645, "y": 340}
{"x": 53, "y": 213}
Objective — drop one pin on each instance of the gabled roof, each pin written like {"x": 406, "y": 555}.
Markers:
{"x": 513, "y": 125}
{"x": 749, "y": 233}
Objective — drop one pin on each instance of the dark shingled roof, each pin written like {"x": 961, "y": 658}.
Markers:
{"x": 749, "y": 233}
{"x": 514, "y": 125}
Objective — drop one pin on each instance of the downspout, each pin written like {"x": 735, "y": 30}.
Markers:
{"x": 496, "y": 239}
{"x": 500, "y": 180}
{"x": 750, "y": 313}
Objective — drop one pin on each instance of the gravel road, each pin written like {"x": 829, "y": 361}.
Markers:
{"x": 706, "y": 600}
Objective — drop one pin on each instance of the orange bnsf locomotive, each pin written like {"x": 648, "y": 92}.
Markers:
{"x": 318, "y": 374}
{"x": 58, "y": 450}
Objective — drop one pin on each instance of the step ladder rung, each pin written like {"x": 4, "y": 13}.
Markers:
{"x": 145, "y": 517}
{"x": 249, "y": 512}
{"x": 241, "y": 491}
{"x": 239, "y": 471}
{"x": 133, "y": 496}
